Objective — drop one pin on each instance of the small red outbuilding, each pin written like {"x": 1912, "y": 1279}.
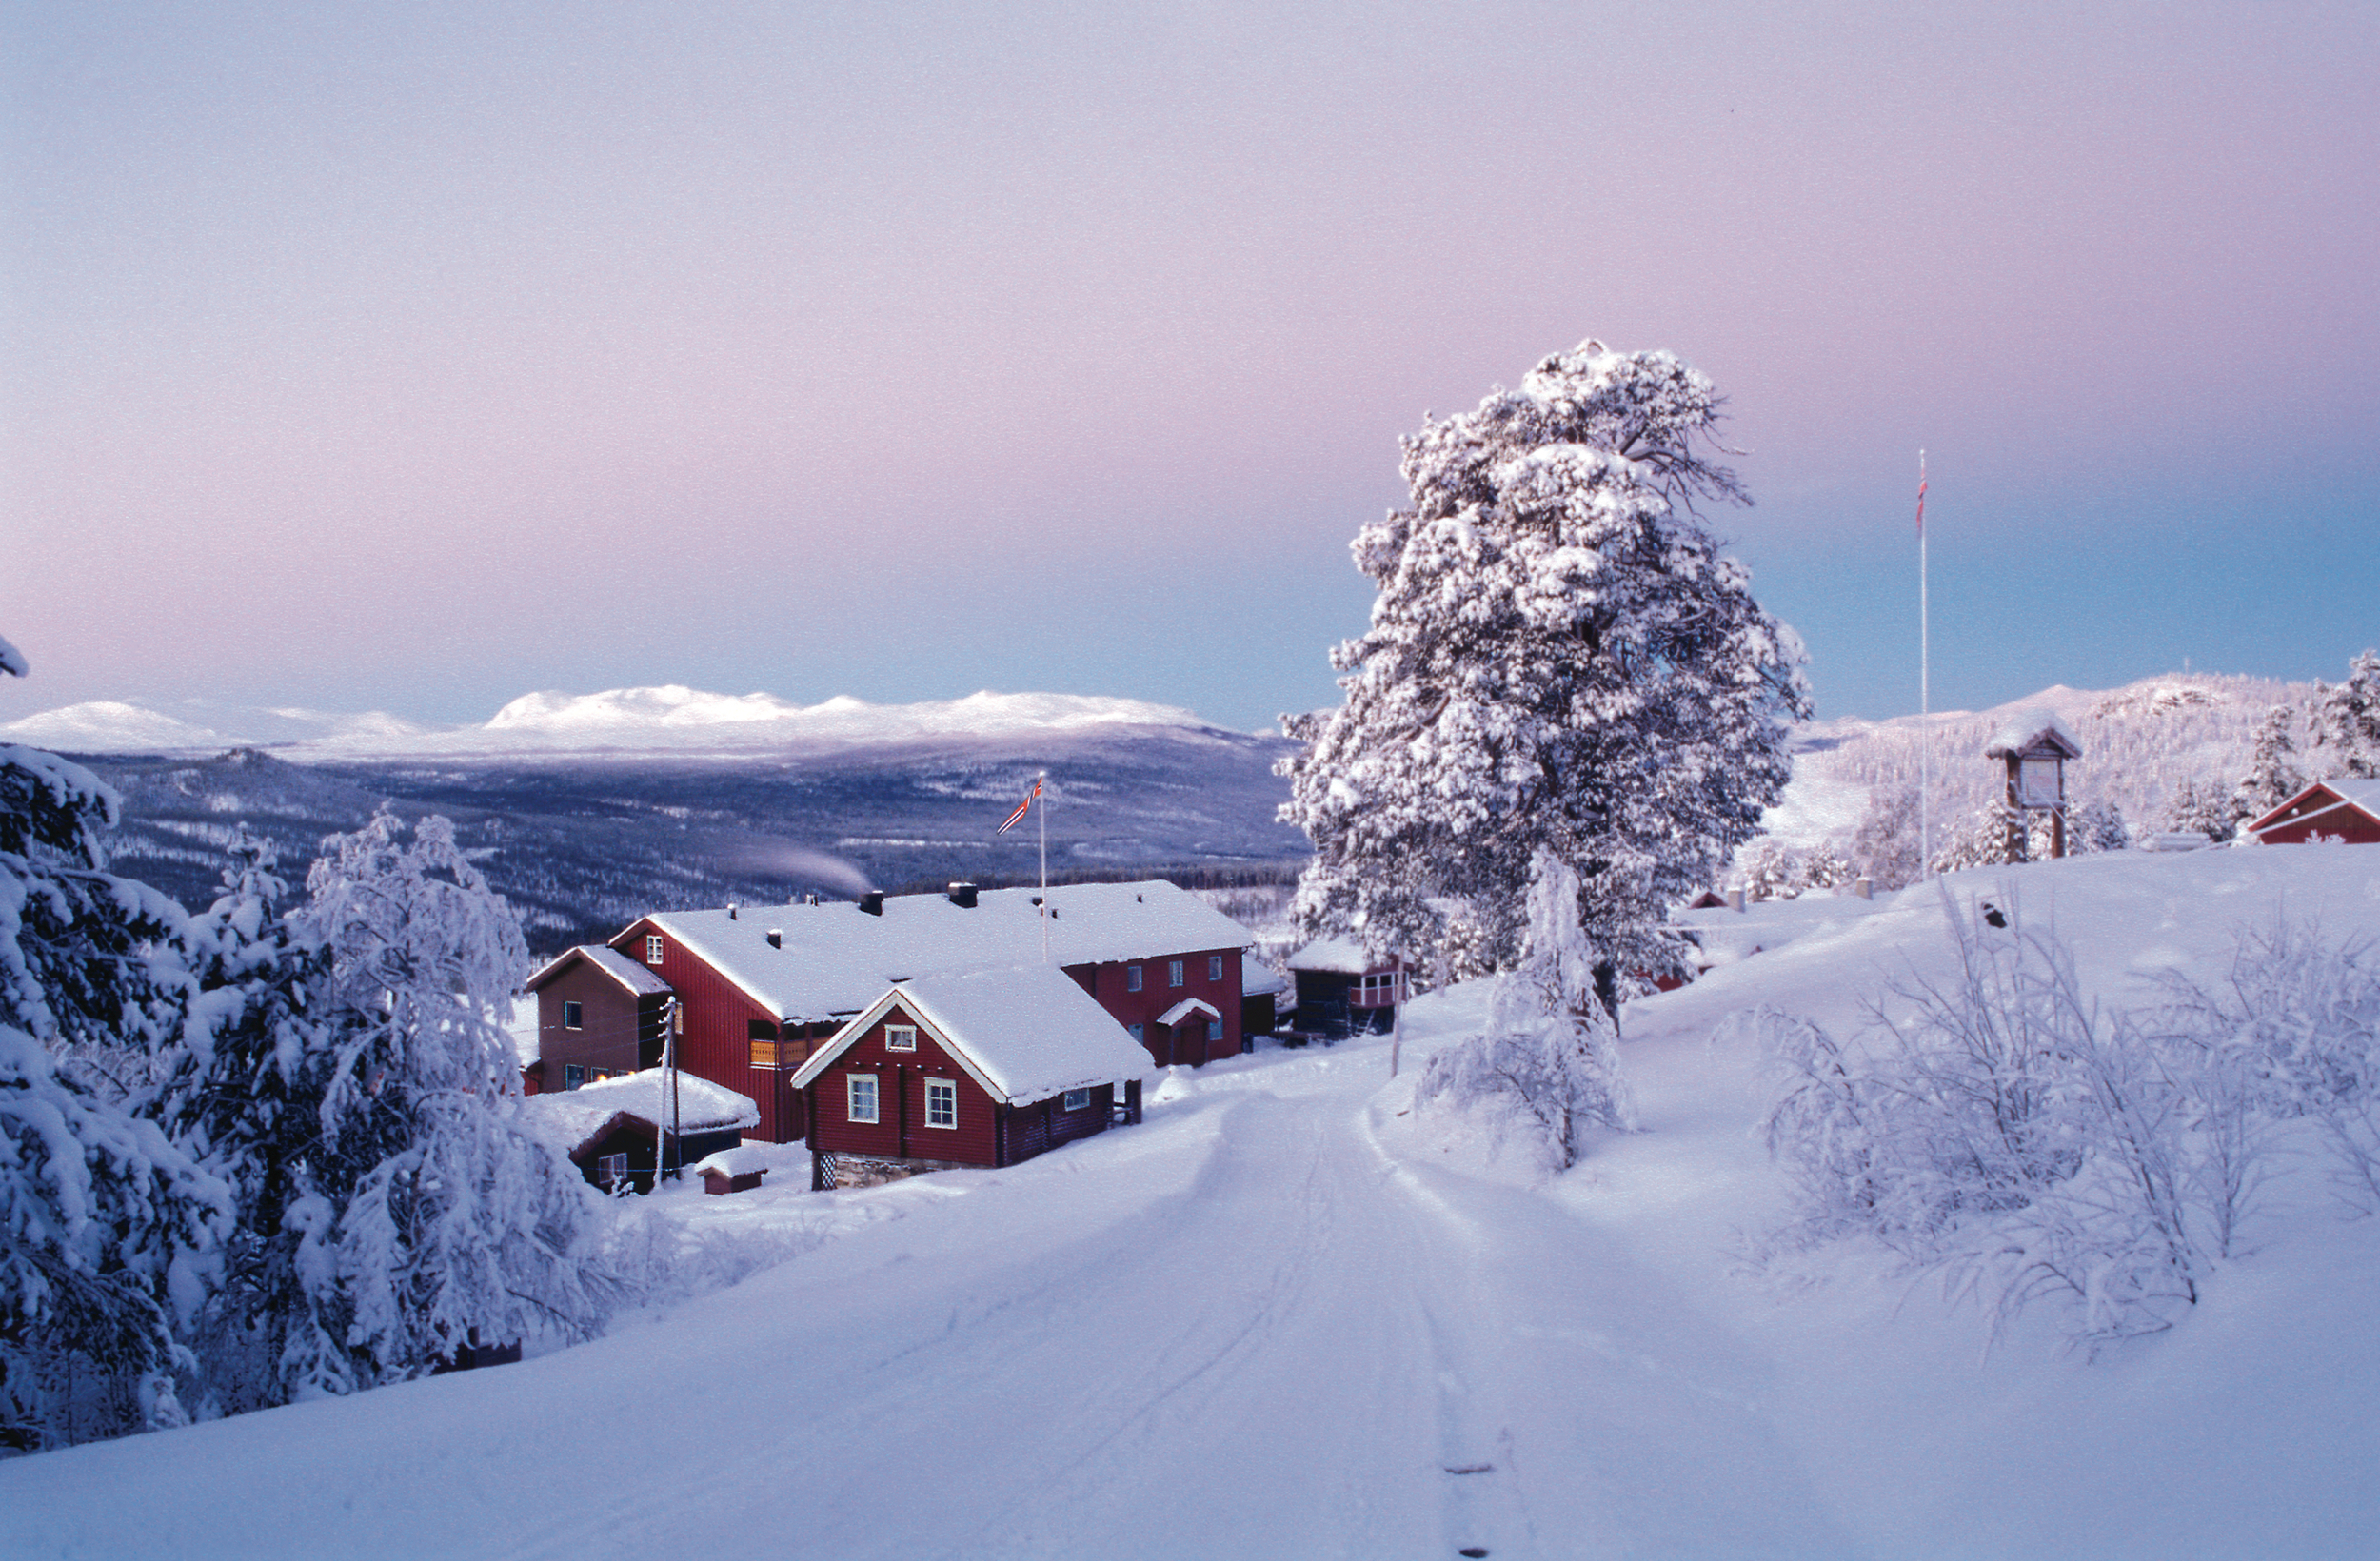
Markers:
{"x": 986, "y": 1069}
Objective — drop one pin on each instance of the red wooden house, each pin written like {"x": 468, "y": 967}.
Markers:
{"x": 598, "y": 1014}
{"x": 986, "y": 1069}
{"x": 760, "y": 987}
{"x": 2346, "y": 810}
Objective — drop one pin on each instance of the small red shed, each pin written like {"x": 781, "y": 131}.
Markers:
{"x": 2343, "y": 809}
{"x": 985, "y": 1069}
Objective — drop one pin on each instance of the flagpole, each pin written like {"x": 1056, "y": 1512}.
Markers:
{"x": 1925, "y": 692}
{"x": 1039, "y": 781}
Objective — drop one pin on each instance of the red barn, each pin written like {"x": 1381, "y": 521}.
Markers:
{"x": 2346, "y": 810}
{"x": 760, "y": 986}
{"x": 986, "y": 1069}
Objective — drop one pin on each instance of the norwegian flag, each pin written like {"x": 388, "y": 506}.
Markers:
{"x": 1022, "y": 808}
{"x": 1921, "y": 495}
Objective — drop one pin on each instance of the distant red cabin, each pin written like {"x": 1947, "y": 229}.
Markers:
{"x": 2345, "y": 810}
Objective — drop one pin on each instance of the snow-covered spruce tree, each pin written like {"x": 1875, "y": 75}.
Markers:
{"x": 2205, "y": 809}
{"x": 2273, "y": 776}
{"x": 2347, "y": 719}
{"x": 100, "y": 1213}
{"x": 1550, "y": 1056}
{"x": 460, "y": 1223}
{"x": 1885, "y": 844}
{"x": 244, "y": 1095}
{"x": 1561, "y": 661}
{"x": 2096, "y": 827}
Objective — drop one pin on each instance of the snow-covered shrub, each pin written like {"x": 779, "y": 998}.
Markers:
{"x": 2005, "y": 1132}
{"x": 2096, "y": 827}
{"x": 2301, "y": 1014}
{"x": 1548, "y": 1063}
{"x": 1981, "y": 838}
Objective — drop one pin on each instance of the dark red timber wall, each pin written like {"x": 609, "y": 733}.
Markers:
{"x": 2318, "y": 814}
{"x": 1109, "y": 984}
{"x": 900, "y": 1132}
{"x": 610, "y": 1025}
{"x": 718, "y": 1041}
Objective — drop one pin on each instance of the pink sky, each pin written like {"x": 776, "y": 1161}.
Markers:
{"x": 414, "y": 357}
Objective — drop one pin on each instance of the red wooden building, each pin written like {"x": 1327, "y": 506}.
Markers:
{"x": 1341, "y": 992}
{"x": 759, "y": 987}
{"x": 2346, "y": 810}
{"x": 985, "y": 1069}
{"x": 598, "y": 1014}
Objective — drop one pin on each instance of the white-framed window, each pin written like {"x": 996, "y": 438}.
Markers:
{"x": 859, "y": 1097}
{"x": 942, "y": 1102}
{"x": 1173, "y": 973}
{"x": 901, "y": 1037}
{"x": 1132, "y": 977}
{"x": 652, "y": 948}
{"x": 574, "y": 1016}
{"x": 1078, "y": 1101}
{"x": 1213, "y": 967}
{"x": 611, "y": 1169}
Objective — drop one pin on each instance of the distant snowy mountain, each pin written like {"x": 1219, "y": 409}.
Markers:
{"x": 670, "y": 718}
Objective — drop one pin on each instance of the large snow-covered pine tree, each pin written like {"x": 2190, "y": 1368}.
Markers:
{"x": 2273, "y": 775}
{"x": 2347, "y": 719}
{"x": 243, "y": 1094}
{"x": 101, "y": 1215}
{"x": 467, "y": 1225}
{"x": 1560, "y": 659}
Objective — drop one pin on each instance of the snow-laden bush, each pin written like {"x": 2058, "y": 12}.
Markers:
{"x": 2302, "y": 1015}
{"x": 1548, "y": 1064}
{"x": 2007, "y": 1133}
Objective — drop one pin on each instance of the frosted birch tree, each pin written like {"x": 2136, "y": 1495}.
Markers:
{"x": 456, "y": 1222}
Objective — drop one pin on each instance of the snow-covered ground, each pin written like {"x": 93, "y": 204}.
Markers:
{"x": 1281, "y": 1319}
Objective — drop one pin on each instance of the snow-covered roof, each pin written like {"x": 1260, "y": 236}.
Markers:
{"x": 1256, "y": 978}
{"x": 1025, "y": 1034}
{"x": 642, "y": 980}
{"x": 1339, "y": 955}
{"x": 569, "y": 1119}
{"x": 2361, "y": 795}
{"x": 836, "y": 958}
{"x": 1188, "y": 1006}
{"x": 2030, "y": 729}
{"x": 744, "y": 1161}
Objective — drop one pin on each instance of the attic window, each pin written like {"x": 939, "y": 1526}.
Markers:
{"x": 901, "y": 1037}
{"x": 652, "y": 949}
{"x": 574, "y": 1016}
{"x": 1132, "y": 977}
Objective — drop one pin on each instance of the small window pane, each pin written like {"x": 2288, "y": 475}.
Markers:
{"x": 1173, "y": 973}
{"x": 1213, "y": 967}
{"x": 652, "y": 949}
{"x": 1132, "y": 977}
{"x": 573, "y": 1015}
{"x": 1214, "y": 1029}
{"x": 1077, "y": 1099}
{"x": 901, "y": 1037}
